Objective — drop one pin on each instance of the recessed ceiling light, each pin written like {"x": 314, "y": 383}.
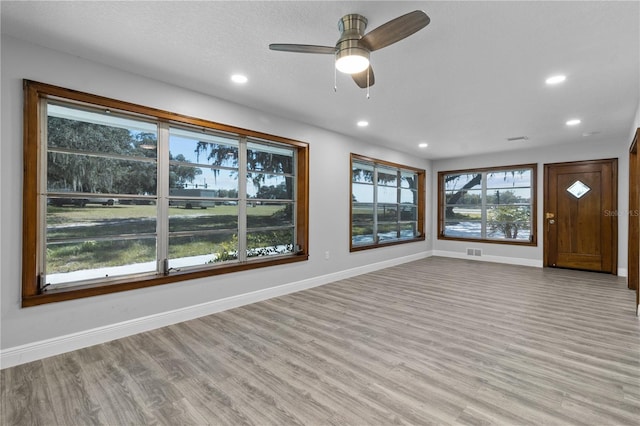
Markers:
{"x": 239, "y": 78}
{"x": 423, "y": 145}
{"x": 573, "y": 122}
{"x": 363, "y": 123}
{"x": 556, "y": 79}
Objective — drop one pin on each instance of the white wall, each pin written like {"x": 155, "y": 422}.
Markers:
{"x": 588, "y": 149}
{"x": 329, "y": 202}
{"x": 636, "y": 125}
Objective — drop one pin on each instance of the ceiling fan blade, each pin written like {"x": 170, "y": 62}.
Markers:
{"x": 395, "y": 30}
{"x": 361, "y": 78}
{"x": 303, "y": 48}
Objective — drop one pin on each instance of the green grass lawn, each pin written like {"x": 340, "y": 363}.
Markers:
{"x": 90, "y": 224}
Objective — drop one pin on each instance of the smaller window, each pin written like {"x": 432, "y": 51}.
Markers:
{"x": 387, "y": 203}
{"x": 494, "y": 205}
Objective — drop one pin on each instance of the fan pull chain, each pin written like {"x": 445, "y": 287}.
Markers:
{"x": 335, "y": 79}
{"x": 368, "y": 95}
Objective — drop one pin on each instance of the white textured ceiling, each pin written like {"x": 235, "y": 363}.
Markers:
{"x": 468, "y": 81}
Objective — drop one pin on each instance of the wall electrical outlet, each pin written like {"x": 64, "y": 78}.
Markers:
{"x": 326, "y": 255}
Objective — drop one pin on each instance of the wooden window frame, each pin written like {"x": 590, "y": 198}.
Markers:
{"x": 32, "y": 238}
{"x": 534, "y": 209}
{"x": 421, "y": 205}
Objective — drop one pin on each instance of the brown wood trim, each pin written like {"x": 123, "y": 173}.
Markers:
{"x": 31, "y": 238}
{"x": 614, "y": 223}
{"x": 421, "y": 188}
{"x": 47, "y": 90}
{"x": 31, "y": 175}
{"x": 386, "y": 244}
{"x": 302, "y": 213}
{"x": 534, "y": 204}
{"x": 384, "y": 163}
{"x": 633, "y": 244}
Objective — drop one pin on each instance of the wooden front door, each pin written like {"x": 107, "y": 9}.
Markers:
{"x": 580, "y": 215}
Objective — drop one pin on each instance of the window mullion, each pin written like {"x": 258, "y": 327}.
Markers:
{"x": 375, "y": 204}
{"x": 483, "y": 209}
{"x": 242, "y": 200}
{"x": 398, "y": 200}
{"x": 43, "y": 192}
{"x": 162, "y": 194}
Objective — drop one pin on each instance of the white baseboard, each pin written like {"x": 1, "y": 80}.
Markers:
{"x": 488, "y": 258}
{"x": 622, "y": 272}
{"x": 70, "y": 342}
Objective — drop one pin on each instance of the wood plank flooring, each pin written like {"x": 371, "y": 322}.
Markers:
{"x": 437, "y": 341}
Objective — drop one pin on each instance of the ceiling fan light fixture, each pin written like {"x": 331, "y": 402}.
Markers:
{"x": 352, "y": 60}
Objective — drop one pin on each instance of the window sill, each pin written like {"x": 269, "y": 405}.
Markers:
{"x": 78, "y": 292}
{"x": 390, "y": 243}
{"x": 533, "y": 243}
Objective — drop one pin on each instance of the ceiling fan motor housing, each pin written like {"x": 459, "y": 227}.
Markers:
{"x": 352, "y": 28}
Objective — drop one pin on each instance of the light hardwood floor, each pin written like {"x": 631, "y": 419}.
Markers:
{"x": 436, "y": 341}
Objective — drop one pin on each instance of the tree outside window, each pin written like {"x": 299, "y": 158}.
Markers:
{"x": 494, "y": 204}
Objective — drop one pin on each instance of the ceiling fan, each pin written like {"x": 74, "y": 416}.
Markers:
{"x": 353, "y": 47}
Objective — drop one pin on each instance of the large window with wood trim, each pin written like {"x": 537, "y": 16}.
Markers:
{"x": 496, "y": 205}
{"x": 387, "y": 203}
{"x": 120, "y": 196}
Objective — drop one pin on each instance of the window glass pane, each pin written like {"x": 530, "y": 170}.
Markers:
{"x": 387, "y": 212}
{"x": 93, "y": 174}
{"x": 463, "y": 180}
{"x": 185, "y": 181}
{"x": 387, "y": 177}
{"x": 362, "y": 213}
{"x": 270, "y": 242}
{"x": 408, "y": 196}
{"x": 362, "y": 193}
{"x": 408, "y": 230}
{"x": 72, "y": 261}
{"x": 269, "y": 158}
{"x": 387, "y": 232}
{"x": 199, "y": 249}
{"x": 97, "y": 220}
{"x": 509, "y": 222}
{"x": 202, "y": 216}
{"x": 509, "y": 179}
{"x": 387, "y": 194}
{"x": 269, "y": 214}
{"x": 90, "y": 238}
{"x": 202, "y": 231}
{"x": 463, "y": 229}
{"x": 79, "y": 130}
{"x": 362, "y": 172}
{"x": 409, "y": 180}
{"x": 189, "y": 146}
{"x": 470, "y": 212}
{"x": 509, "y": 196}
{"x": 362, "y": 234}
{"x": 464, "y": 197}
{"x": 269, "y": 187}
{"x": 409, "y": 213}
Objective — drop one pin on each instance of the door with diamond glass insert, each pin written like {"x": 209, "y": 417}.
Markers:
{"x": 580, "y": 220}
